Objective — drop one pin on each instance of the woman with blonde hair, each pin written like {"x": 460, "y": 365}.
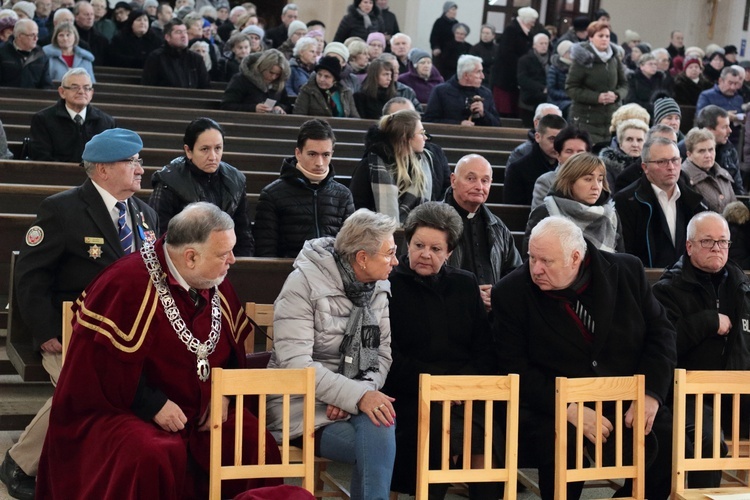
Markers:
{"x": 64, "y": 53}
{"x": 581, "y": 193}
{"x": 262, "y": 77}
{"x": 395, "y": 174}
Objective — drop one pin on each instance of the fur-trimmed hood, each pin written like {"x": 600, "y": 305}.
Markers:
{"x": 737, "y": 213}
{"x": 248, "y": 70}
{"x": 556, "y": 61}
{"x": 583, "y": 53}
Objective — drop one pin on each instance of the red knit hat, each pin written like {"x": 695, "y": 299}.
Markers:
{"x": 692, "y": 60}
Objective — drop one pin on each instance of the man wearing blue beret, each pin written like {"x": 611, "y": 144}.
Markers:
{"x": 76, "y": 235}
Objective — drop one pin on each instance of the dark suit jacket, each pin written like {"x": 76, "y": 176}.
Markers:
{"x": 632, "y": 334}
{"x": 644, "y": 227}
{"x": 78, "y": 240}
{"x": 55, "y": 137}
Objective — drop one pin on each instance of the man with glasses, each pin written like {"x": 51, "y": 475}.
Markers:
{"x": 60, "y": 132}
{"x": 655, "y": 209}
{"x": 22, "y": 62}
{"x": 726, "y": 95}
{"x": 173, "y": 65}
{"x": 76, "y": 235}
{"x": 706, "y": 297}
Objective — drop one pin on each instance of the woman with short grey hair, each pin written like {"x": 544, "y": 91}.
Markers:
{"x": 332, "y": 314}
{"x": 301, "y": 64}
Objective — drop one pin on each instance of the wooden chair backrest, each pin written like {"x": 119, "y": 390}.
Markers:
{"x": 467, "y": 388}
{"x": 67, "y": 326}
{"x": 262, "y": 314}
{"x": 262, "y": 383}
{"x": 713, "y": 385}
{"x": 621, "y": 391}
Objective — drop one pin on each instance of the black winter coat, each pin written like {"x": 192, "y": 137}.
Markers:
{"x": 644, "y": 227}
{"x": 170, "y": 67}
{"x": 292, "y": 210}
{"x": 55, "y": 137}
{"x": 686, "y": 91}
{"x": 353, "y": 24}
{"x": 520, "y": 176}
{"x": 693, "y": 307}
{"x": 641, "y": 88}
{"x": 511, "y": 46}
{"x": 442, "y": 32}
{"x": 532, "y": 81}
{"x": 129, "y": 51}
{"x": 247, "y": 89}
{"x": 31, "y": 72}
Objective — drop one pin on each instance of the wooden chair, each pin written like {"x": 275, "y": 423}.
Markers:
{"x": 240, "y": 383}
{"x": 262, "y": 314}
{"x": 67, "y": 326}
{"x": 621, "y": 391}
{"x": 467, "y": 388}
{"x": 712, "y": 384}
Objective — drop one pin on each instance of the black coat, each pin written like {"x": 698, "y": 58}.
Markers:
{"x": 442, "y": 32}
{"x": 644, "y": 227}
{"x": 370, "y": 108}
{"x": 532, "y": 81}
{"x": 438, "y": 326}
{"x": 512, "y": 45}
{"x": 449, "y": 104}
{"x": 693, "y": 307}
{"x": 686, "y": 91}
{"x": 169, "y": 67}
{"x": 181, "y": 183}
{"x": 448, "y": 60}
{"x": 390, "y": 23}
{"x": 642, "y": 88}
{"x": 55, "y": 136}
{"x": 78, "y": 241}
{"x": 246, "y": 89}
{"x": 292, "y": 210}
{"x": 97, "y": 43}
{"x": 353, "y": 24}
{"x": 276, "y": 35}
{"x": 129, "y": 51}
{"x": 537, "y": 339}
{"x": 31, "y": 72}
{"x": 521, "y": 176}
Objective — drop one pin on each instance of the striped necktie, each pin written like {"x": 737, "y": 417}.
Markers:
{"x": 586, "y": 319}
{"x": 123, "y": 230}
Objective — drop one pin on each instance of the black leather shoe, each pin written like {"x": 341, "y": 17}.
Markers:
{"x": 20, "y": 485}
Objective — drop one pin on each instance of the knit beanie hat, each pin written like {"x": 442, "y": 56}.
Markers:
{"x": 631, "y": 35}
{"x": 376, "y": 36}
{"x": 562, "y": 48}
{"x": 692, "y": 60}
{"x": 254, "y": 29}
{"x": 448, "y": 6}
{"x": 27, "y": 8}
{"x": 337, "y": 48}
{"x": 330, "y": 64}
{"x": 664, "y": 107}
{"x": 695, "y": 52}
{"x": 416, "y": 55}
{"x": 644, "y": 48}
{"x": 295, "y": 26}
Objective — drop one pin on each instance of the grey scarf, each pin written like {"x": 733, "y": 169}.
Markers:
{"x": 365, "y": 17}
{"x": 359, "y": 349}
{"x": 598, "y": 222}
{"x": 385, "y": 191}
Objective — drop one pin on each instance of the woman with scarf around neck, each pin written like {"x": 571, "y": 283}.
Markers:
{"x": 596, "y": 82}
{"x": 362, "y": 18}
{"x": 581, "y": 194}
{"x": 378, "y": 88}
{"x": 323, "y": 94}
{"x": 449, "y": 336}
{"x": 396, "y": 172}
{"x": 332, "y": 314}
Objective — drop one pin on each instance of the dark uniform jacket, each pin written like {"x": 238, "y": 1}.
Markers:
{"x": 539, "y": 341}
{"x": 644, "y": 227}
{"x": 181, "y": 183}
{"x": 56, "y": 137}
{"x": 693, "y": 307}
{"x": 292, "y": 210}
{"x": 71, "y": 241}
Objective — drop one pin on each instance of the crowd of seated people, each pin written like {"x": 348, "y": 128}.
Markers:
{"x": 643, "y": 191}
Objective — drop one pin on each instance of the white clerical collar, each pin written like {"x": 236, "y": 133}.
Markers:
{"x": 173, "y": 270}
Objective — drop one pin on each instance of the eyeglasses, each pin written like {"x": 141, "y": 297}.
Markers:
{"x": 423, "y": 132}
{"x": 30, "y": 35}
{"x": 134, "y": 162}
{"x": 709, "y": 243}
{"x": 78, "y": 88}
{"x": 663, "y": 163}
{"x": 389, "y": 254}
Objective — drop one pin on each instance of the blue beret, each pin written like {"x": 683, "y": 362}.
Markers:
{"x": 112, "y": 145}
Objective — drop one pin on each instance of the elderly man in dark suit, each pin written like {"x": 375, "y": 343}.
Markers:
{"x": 60, "y": 132}
{"x": 76, "y": 235}
{"x": 556, "y": 316}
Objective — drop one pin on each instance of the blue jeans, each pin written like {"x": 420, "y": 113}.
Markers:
{"x": 370, "y": 448}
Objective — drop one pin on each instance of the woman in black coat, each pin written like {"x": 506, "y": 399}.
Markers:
{"x": 378, "y": 88}
{"x": 450, "y": 335}
{"x": 361, "y": 19}
{"x": 134, "y": 42}
{"x": 262, "y": 76}
{"x": 442, "y": 30}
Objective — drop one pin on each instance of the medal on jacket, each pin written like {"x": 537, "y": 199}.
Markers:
{"x": 200, "y": 349}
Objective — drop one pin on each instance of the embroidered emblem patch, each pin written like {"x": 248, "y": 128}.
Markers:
{"x": 95, "y": 251}
{"x": 34, "y": 236}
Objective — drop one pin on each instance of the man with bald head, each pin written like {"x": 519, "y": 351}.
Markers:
{"x": 486, "y": 247}
{"x": 706, "y": 297}
{"x": 554, "y": 317}
{"x": 23, "y": 62}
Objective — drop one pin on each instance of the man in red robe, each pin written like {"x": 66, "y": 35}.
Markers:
{"x": 129, "y": 417}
